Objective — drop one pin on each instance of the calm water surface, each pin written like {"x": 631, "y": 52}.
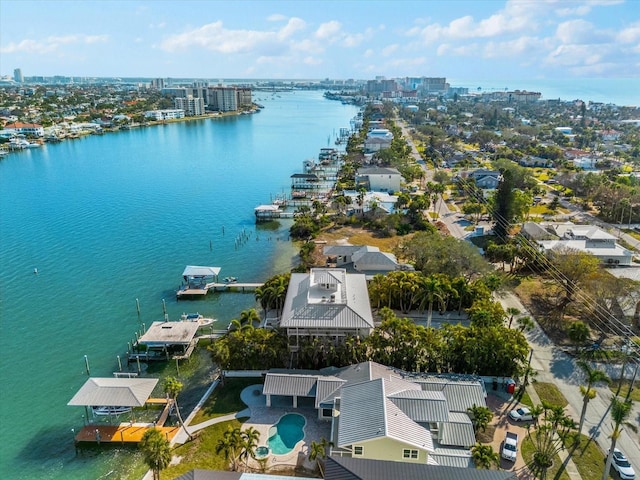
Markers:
{"x": 108, "y": 219}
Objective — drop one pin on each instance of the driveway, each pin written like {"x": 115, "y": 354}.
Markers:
{"x": 501, "y": 408}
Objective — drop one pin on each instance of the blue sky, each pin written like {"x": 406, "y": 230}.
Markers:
{"x": 483, "y": 40}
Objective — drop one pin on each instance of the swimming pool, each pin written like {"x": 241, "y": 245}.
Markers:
{"x": 284, "y": 435}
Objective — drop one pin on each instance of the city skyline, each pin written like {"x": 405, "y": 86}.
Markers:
{"x": 483, "y": 40}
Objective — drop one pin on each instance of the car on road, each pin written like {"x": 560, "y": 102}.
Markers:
{"x": 522, "y": 414}
{"x": 622, "y": 465}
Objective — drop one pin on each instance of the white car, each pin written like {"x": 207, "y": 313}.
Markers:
{"x": 622, "y": 466}
{"x": 522, "y": 414}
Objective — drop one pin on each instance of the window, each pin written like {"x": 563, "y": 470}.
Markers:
{"x": 327, "y": 412}
{"x": 358, "y": 450}
{"x": 406, "y": 453}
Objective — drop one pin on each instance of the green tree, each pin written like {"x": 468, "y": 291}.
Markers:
{"x": 173, "y": 387}
{"x": 578, "y": 332}
{"x": 231, "y": 446}
{"x": 592, "y": 376}
{"x": 318, "y": 452}
{"x": 574, "y": 268}
{"x": 484, "y": 456}
{"x": 549, "y": 438}
{"x": 620, "y": 412}
{"x": 156, "y": 451}
{"x": 480, "y": 417}
{"x": 503, "y": 211}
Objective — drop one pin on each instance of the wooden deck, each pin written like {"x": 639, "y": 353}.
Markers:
{"x": 129, "y": 432}
{"x": 216, "y": 287}
{"x": 123, "y": 433}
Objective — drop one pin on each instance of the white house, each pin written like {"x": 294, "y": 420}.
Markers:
{"x": 379, "y": 179}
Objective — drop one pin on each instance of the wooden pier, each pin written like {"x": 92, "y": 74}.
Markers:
{"x": 216, "y": 287}
{"x": 129, "y": 432}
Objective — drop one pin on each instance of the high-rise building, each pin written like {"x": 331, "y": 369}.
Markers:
{"x": 17, "y": 75}
{"x": 190, "y": 105}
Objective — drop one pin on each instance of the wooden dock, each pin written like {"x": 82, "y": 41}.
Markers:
{"x": 217, "y": 287}
{"x": 129, "y": 432}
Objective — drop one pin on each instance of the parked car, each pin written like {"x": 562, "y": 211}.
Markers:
{"x": 622, "y": 465}
{"x": 510, "y": 447}
{"x": 522, "y": 414}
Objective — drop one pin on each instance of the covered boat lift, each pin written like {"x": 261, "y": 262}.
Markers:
{"x": 198, "y": 280}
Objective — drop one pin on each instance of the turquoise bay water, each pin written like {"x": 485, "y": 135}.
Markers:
{"x": 108, "y": 219}
{"x": 286, "y": 433}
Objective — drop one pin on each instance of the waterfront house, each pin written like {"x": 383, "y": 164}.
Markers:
{"x": 20, "y": 128}
{"x": 379, "y": 179}
{"x": 379, "y": 412}
{"x": 363, "y": 259}
{"x": 326, "y": 302}
{"x": 344, "y": 468}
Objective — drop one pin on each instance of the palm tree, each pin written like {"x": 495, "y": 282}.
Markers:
{"x": 549, "y": 439}
{"x": 432, "y": 291}
{"x": 484, "y": 456}
{"x": 593, "y": 375}
{"x": 578, "y": 332}
{"x": 620, "y": 411}
{"x": 172, "y": 387}
{"x": 250, "y": 438}
{"x": 480, "y": 417}
{"x": 318, "y": 451}
{"x": 512, "y": 312}
{"x": 156, "y": 450}
{"x": 231, "y": 445}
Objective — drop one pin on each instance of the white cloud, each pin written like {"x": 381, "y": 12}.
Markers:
{"x": 629, "y": 34}
{"x": 312, "y": 61}
{"x": 580, "y": 32}
{"x": 328, "y": 30}
{"x": 215, "y": 37}
{"x": 276, "y": 17}
{"x": 368, "y": 53}
{"x": 52, "y": 43}
{"x": 390, "y": 50}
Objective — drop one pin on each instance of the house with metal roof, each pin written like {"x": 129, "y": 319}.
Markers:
{"x": 384, "y": 413}
{"x": 344, "y": 468}
{"x": 363, "y": 259}
{"x": 326, "y": 302}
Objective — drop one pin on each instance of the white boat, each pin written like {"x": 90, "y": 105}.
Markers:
{"x": 110, "y": 410}
{"x": 230, "y": 280}
{"x": 196, "y": 317}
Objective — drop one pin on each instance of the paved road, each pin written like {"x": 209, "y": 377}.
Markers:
{"x": 555, "y": 366}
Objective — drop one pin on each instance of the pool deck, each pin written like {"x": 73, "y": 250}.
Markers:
{"x": 263, "y": 417}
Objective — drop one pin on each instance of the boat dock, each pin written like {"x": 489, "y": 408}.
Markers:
{"x": 216, "y": 287}
{"x": 128, "y": 432}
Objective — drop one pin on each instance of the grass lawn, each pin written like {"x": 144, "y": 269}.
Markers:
{"x": 526, "y": 399}
{"x": 549, "y": 393}
{"x": 588, "y": 458}
{"x": 528, "y": 449}
{"x": 224, "y": 400}
{"x": 201, "y": 452}
{"x": 635, "y": 393}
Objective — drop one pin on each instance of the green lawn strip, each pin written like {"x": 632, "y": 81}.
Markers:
{"x": 528, "y": 449}
{"x": 526, "y": 399}
{"x": 635, "y": 393}
{"x": 201, "y": 452}
{"x": 224, "y": 400}
{"x": 549, "y": 393}
{"x": 588, "y": 458}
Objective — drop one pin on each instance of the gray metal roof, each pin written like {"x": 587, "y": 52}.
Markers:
{"x": 366, "y": 414}
{"x": 354, "y": 313}
{"x": 198, "y": 271}
{"x": 290, "y": 384}
{"x": 340, "y": 249}
{"x": 346, "y": 468}
{"x": 114, "y": 392}
{"x": 220, "y": 475}
{"x": 170, "y": 333}
{"x": 327, "y": 389}
{"x": 453, "y": 457}
{"x": 422, "y": 406}
{"x": 458, "y": 431}
{"x": 460, "y": 395}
